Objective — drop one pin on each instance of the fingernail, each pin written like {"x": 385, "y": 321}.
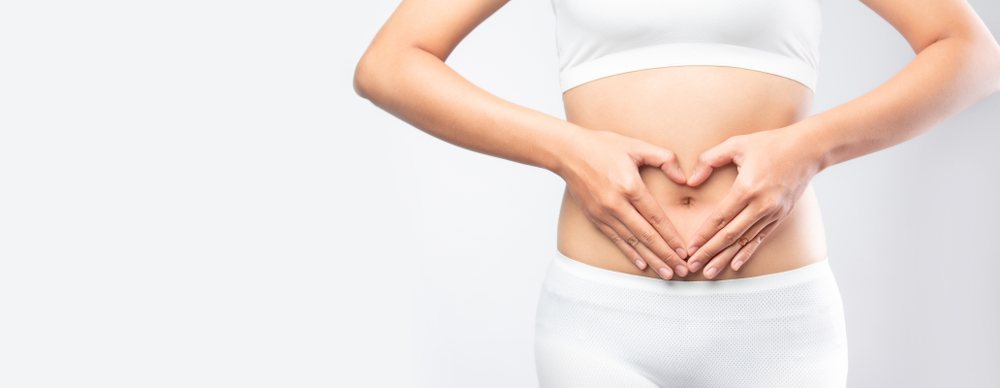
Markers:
{"x": 681, "y": 253}
{"x": 665, "y": 273}
{"x": 639, "y": 263}
{"x": 738, "y": 264}
{"x": 680, "y": 270}
{"x": 709, "y": 273}
{"x": 695, "y": 266}
{"x": 693, "y": 250}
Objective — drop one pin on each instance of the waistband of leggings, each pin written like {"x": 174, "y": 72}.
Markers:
{"x": 738, "y": 285}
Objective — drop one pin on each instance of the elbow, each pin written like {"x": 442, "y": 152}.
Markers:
{"x": 361, "y": 75}
{"x": 357, "y": 86}
{"x": 984, "y": 56}
{"x": 366, "y": 74}
{"x": 996, "y": 67}
{"x": 991, "y": 57}
{"x": 373, "y": 73}
{"x": 982, "y": 53}
{"x": 987, "y": 55}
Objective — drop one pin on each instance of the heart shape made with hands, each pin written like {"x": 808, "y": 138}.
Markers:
{"x": 774, "y": 168}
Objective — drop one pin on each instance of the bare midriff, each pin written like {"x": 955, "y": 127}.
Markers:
{"x": 688, "y": 110}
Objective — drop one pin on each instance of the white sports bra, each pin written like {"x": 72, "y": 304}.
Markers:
{"x": 601, "y": 38}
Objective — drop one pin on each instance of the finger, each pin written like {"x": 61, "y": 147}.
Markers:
{"x": 650, "y": 237}
{"x": 717, "y": 264}
{"x": 721, "y": 241}
{"x": 625, "y": 247}
{"x": 654, "y": 215}
{"x": 717, "y": 156}
{"x": 654, "y": 261}
{"x": 735, "y": 201}
{"x": 749, "y": 237}
{"x": 747, "y": 251}
{"x": 663, "y": 158}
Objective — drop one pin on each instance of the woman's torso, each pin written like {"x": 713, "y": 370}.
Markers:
{"x": 688, "y": 110}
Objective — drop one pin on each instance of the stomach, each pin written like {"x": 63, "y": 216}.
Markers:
{"x": 688, "y": 110}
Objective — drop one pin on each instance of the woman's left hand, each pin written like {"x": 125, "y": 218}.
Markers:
{"x": 774, "y": 168}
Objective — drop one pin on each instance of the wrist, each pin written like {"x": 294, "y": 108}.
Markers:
{"x": 562, "y": 151}
{"x": 808, "y": 136}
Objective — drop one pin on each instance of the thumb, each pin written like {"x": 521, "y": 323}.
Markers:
{"x": 663, "y": 158}
{"x": 717, "y": 156}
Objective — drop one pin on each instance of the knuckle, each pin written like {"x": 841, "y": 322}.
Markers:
{"x": 669, "y": 156}
{"x": 706, "y": 253}
{"x": 719, "y": 221}
{"x": 768, "y": 206}
{"x": 730, "y": 237}
{"x": 786, "y": 209}
{"x": 630, "y": 191}
{"x": 632, "y": 240}
{"x": 648, "y": 237}
{"x": 608, "y": 207}
{"x": 744, "y": 191}
{"x": 655, "y": 220}
{"x": 598, "y": 213}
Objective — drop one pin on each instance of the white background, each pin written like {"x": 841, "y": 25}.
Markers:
{"x": 192, "y": 195}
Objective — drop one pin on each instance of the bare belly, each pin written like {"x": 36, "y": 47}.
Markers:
{"x": 689, "y": 109}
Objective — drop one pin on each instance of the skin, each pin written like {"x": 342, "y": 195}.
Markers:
{"x": 660, "y": 162}
{"x": 957, "y": 65}
{"x": 689, "y": 110}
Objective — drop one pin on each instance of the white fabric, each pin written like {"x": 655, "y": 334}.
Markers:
{"x": 600, "y": 328}
{"x": 601, "y": 38}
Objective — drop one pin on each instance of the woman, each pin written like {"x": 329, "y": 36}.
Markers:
{"x": 688, "y": 149}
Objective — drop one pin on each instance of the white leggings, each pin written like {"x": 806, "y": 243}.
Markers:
{"x": 602, "y": 329}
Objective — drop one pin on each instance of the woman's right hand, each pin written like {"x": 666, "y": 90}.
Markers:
{"x": 601, "y": 170}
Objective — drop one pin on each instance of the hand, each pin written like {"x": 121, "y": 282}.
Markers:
{"x": 601, "y": 170}
{"x": 774, "y": 168}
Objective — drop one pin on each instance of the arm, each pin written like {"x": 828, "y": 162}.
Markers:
{"x": 957, "y": 65}
{"x": 403, "y": 72}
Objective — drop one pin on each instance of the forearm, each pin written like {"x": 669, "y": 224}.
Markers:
{"x": 420, "y": 89}
{"x": 945, "y": 78}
